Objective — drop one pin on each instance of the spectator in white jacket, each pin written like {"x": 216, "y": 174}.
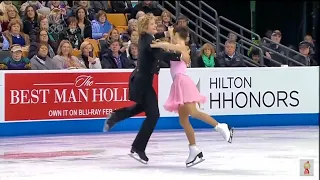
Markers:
{"x": 87, "y": 56}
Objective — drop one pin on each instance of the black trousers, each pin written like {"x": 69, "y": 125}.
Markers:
{"x": 149, "y": 105}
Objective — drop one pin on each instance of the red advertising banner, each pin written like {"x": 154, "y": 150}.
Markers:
{"x": 43, "y": 96}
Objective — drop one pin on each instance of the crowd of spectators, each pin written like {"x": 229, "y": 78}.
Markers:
{"x": 50, "y": 35}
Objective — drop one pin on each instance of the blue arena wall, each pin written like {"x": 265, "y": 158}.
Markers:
{"x": 133, "y": 124}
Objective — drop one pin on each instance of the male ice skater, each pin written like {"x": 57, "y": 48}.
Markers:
{"x": 140, "y": 87}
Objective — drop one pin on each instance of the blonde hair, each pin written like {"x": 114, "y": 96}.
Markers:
{"x": 5, "y": 16}
{"x": 59, "y": 51}
{"x": 143, "y": 23}
{"x": 85, "y": 44}
{"x": 207, "y": 46}
{"x": 110, "y": 34}
{"x": 166, "y": 12}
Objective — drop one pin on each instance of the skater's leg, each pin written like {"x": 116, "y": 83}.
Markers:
{"x": 224, "y": 129}
{"x": 185, "y": 123}
{"x": 127, "y": 112}
{"x": 152, "y": 115}
{"x": 194, "y": 151}
{"x": 195, "y": 113}
{"x": 122, "y": 114}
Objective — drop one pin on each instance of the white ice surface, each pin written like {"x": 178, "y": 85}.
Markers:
{"x": 254, "y": 154}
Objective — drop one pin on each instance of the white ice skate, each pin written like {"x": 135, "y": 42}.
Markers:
{"x": 194, "y": 154}
{"x": 225, "y": 131}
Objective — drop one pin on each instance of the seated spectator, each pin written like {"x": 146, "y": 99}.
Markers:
{"x": 36, "y": 4}
{"x": 166, "y": 19}
{"x": 4, "y": 43}
{"x": 161, "y": 28}
{"x": 61, "y": 3}
{"x": 87, "y": 56}
{"x": 41, "y": 38}
{"x": 62, "y": 6}
{"x": 232, "y": 36}
{"x": 229, "y": 57}
{"x": 84, "y": 23}
{"x": 30, "y": 19}
{"x": 275, "y": 37}
{"x": 84, "y": 5}
{"x": 139, "y": 14}
{"x": 100, "y": 6}
{"x": 41, "y": 60}
{"x": 207, "y": 56}
{"x": 158, "y": 20}
{"x": 255, "y": 55}
{"x": 132, "y": 26}
{"x": 65, "y": 59}
{"x": 16, "y": 61}
{"x": 146, "y": 7}
{"x": 133, "y": 53}
{"x": 304, "y": 49}
{"x": 4, "y": 5}
{"x": 183, "y": 21}
{"x": 57, "y": 23}
{"x": 10, "y": 13}
{"x": 15, "y": 35}
{"x": 72, "y": 33}
{"x": 121, "y": 6}
{"x": 115, "y": 58}
{"x": 115, "y": 35}
{"x": 101, "y": 26}
{"x": 309, "y": 39}
{"x": 133, "y": 39}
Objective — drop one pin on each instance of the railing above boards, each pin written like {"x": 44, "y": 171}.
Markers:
{"x": 288, "y": 50}
{"x": 242, "y": 29}
{"x": 242, "y": 42}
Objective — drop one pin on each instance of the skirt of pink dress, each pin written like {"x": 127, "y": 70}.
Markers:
{"x": 183, "y": 90}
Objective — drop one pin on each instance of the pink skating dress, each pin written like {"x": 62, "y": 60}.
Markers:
{"x": 183, "y": 89}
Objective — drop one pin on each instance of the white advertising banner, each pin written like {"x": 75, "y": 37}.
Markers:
{"x": 237, "y": 91}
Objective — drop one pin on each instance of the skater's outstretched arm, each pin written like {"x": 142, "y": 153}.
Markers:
{"x": 174, "y": 47}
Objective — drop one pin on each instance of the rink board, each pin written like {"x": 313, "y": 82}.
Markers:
{"x": 77, "y": 101}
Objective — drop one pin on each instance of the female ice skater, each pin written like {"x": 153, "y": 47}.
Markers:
{"x": 184, "y": 96}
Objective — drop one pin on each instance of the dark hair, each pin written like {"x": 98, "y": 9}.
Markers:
{"x": 35, "y": 12}
{"x": 42, "y": 44}
{"x": 101, "y": 13}
{"x": 38, "y": 35}
{"x": 85, "y": 12}
{"x": 183, "y": 31}
{"x": 72, "y": 20}
{"x": 255, "y": 52}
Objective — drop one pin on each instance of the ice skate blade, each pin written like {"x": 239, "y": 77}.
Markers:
{"x": 194, "y": 163}
{"x": 138, "y": 159}
{"x": 231, "y": 135}
{"x": 105, "y": 127}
